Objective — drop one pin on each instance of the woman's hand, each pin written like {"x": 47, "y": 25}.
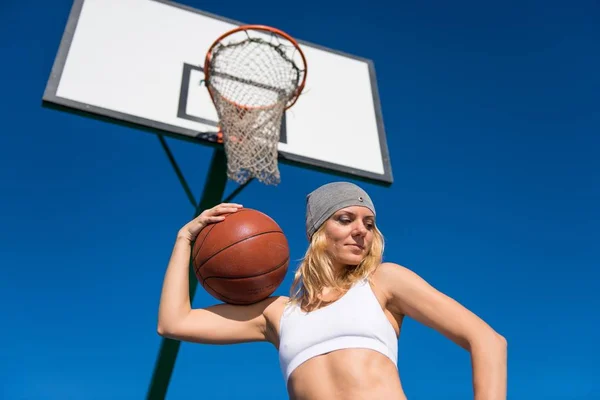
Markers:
{"x": 210, "y": 216}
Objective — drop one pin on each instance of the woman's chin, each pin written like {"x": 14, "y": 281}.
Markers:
{"x": 352, "y": 260}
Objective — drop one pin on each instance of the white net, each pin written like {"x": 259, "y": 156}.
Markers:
{"x": 252, "y": 81}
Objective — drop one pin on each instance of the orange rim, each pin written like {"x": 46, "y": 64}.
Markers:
{"x": 265, "y": 28}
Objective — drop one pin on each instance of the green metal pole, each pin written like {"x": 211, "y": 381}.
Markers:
{"x": 214, "y": 189}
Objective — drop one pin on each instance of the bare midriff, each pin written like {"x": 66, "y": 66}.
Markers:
{"x": 348, "y": 374}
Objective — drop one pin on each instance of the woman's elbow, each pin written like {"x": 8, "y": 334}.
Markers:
{"x": 498, "y": 343}
{"x": 488, "y": 339}
{"x": 496, "y": 339}
{"x": 160, "y": 330}
{"x": 502, "y": 342}
{"x": 168, "y": 323}
{"x": 165, "y": 329}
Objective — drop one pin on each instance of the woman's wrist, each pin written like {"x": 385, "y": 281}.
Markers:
{"x": 183, "y": 236}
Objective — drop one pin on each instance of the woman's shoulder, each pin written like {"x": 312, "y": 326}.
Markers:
{"x": 388, "y": 270}
{"x": 275, "y": 308}
{"x": 389, "y": 276}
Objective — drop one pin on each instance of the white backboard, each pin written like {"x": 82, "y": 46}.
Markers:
{"x": 140, "y": 62}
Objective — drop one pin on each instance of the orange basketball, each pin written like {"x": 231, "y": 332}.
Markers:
{"x": 242, "y": 259}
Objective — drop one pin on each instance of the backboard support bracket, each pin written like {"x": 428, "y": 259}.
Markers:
{"x": 214, "y": 189}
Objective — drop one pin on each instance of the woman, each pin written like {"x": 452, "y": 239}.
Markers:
{"x": 337, "y": 333}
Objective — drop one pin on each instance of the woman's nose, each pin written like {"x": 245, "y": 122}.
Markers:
{"x": 360, "y": 229}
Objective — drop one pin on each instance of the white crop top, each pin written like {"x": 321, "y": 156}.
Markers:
{"x": 355, "y": 320}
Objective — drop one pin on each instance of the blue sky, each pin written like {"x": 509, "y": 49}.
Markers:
{"x": 492, "y": 118}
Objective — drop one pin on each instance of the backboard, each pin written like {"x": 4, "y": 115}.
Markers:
{"x": 140, "y": 62}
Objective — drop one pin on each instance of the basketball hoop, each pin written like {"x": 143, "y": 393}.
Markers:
{"x": 253, "y": 74}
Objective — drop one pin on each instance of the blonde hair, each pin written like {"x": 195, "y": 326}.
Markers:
{"x": 316, "y": 270}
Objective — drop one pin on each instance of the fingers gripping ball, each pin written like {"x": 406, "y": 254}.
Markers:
{"x": 242, "y": 259}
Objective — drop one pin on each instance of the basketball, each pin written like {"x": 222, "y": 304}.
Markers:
{"x": 242, "y": 259}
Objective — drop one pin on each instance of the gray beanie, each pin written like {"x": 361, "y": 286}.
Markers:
{"x": 323, "y": 202}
